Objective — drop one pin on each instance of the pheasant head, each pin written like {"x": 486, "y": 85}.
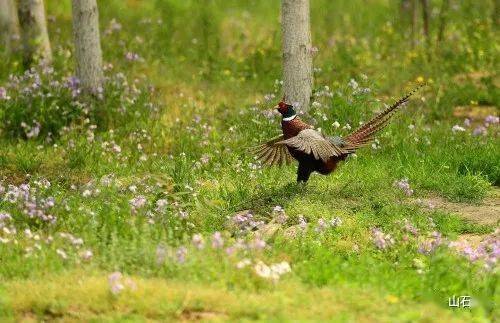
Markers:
{"x": 287, "y": 111}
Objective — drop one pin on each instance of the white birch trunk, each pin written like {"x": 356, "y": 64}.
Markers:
{"x": 34, "y": 35}
{"x": 9, "y": 24}
{"x": 87, "y": 44}
{"x": 297, "y": 55}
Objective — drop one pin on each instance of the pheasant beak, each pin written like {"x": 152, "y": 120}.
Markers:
{"x": 277, "y": 107}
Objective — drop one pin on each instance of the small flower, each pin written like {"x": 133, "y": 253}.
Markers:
{"x": 404, "y": 185}
{"x": 198, "y": 241}
{"x": 302, "y": 222}
{"x": 321, "y": 226}
{"x": 3, "y": 94}
{"x": 456, "y": 128}
{"x": 429, "y": 245}
{"x": 335, "y": 222}
{"x": 62, "y": 254}
{"x": 491, "y": 120}
{"x": 353, "y": 84}
{"x": 272, "y": 272}
{"x": 132, "y": 57}
{"x": 181, "y": 254}
{"x": 161, "y": 205}
{"x": 258, "y": 243}
{"x": 217, "y": 240}
{"x": 161, "y": 254}
{"x": 381, "y": 240}
{"x": 4, "y": 217}
{"x": 243, "y": 263}
{"x": 137, "y": 203}
{"x": 86, "y": 255}
{"x": 336, "y": 124}
{"x": 480, "y": 131}
{"x": 280, "y": 215}
{"x": 115, "y": 284}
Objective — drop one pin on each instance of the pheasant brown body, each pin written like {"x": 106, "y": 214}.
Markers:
{"x": 313, "y": 151}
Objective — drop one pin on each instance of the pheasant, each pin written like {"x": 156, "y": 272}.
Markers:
{"x": 314, "y": 151}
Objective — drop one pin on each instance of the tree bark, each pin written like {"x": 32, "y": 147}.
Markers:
{"x": 88, "y": 52}
{"x": 425, "y": 20}
{"x": 9, "y": 24}
{"x": 443, "y": 14}
{"x": 495, "y": 15}
{"x": 297, "y": 55}
{"x": 34, "y": 35}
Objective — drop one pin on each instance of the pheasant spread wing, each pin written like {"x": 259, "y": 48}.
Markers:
{"x": 272, "y": 154}
{"x": 312, "y": 142}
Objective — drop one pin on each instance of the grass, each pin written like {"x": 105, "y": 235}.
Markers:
{"x": 154, "y": 299}
{"x": 176, "y": 125}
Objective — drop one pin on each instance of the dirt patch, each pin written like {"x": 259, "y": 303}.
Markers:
{"x": 475, "y": 112}
{"x": 486, "y": 213}
{"x": 476, "y": 78}
{"x": 473, "y": 240}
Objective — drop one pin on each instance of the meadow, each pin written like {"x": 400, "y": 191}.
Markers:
{"x": 145, "y": 203}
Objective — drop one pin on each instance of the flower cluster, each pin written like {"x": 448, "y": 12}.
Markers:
{"x": 279, "y": 215}
{"x": 487, "y": 251}
{"x": 117, "y": 284}
{"x": 29, "y": 200}
{"x": 480, "y": 129}
{"x": 404, "y": 186}
{"x": 381, "y": 240}
{"x": 272, "y": 272}
{"x": 430, "y": 244}
{"x": 323, "y": 225}
{"x": 245, "y": 222}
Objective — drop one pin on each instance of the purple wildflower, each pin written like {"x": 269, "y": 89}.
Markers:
{"x": 429, "y": 245}
{"x": 321, "y": 226}
{"x": 280, "y": 214}
{"x": 302, "y": 222}
{"x": 198, "y": 241}
{"x": 491, "y": 120}
{"x": 381, "y": 240}
{"x": 3, "y": 94}
{"x": 115, "y": 284}
{"x": 217, "y": 240}
{"x": 131, "y": 57}
{"x": 404, "y": 186}
{"x": 181, "y": 254}
{"x": 137, "y": 203}
{"x": 479, "y": 131}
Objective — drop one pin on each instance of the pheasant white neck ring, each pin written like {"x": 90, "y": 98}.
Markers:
{"x": 290, "y": 118}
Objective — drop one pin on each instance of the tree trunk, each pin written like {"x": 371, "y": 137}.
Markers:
{"x": 443, "y": 14}
{"x": 414, "y": 36}
{"x": 425, "y": 20}
{"x": 297, "y": 55}
{"x": 9, "y": 24}
{"x": 34, "y": 35}
{"x": 87, "y": 44}
{"x": 495, "y": 15}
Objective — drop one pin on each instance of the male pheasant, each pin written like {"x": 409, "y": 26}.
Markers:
{"x": 314, "y": 151}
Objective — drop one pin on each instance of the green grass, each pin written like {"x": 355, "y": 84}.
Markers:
{"x": 209, "y": 66}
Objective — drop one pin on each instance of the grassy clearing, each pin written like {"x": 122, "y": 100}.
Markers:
{"x": 167, "y": 159}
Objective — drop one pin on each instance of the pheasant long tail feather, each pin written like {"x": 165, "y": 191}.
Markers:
{"x": 365, "y": 133}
